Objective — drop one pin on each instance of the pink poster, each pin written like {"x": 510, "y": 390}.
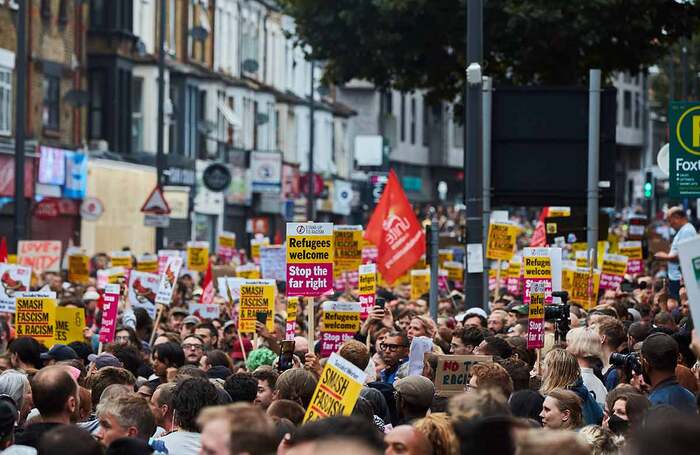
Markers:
{"x": 109, "y": 313}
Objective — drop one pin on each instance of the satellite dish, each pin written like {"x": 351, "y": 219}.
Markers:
{"x": 662, "y": 159}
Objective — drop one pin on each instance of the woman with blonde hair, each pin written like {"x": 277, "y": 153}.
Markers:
{"x": 421, "y": 326}
{"x": 438, "y": 429}
{"x": 584, "y": 344}
{"x": 561, "y": 370}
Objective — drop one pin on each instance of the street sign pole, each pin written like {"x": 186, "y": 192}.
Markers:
{"x": 486, "y": 164}
{"x": 160, "y": 153}
{"x": 311, "y": 202}
{"x": 593, "y": 154}
{"x": 20, "y": 121}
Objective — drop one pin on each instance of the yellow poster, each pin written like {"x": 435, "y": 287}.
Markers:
{"x": 290, "y": 329}
{"x": 632, "y": 249}
{"x": 36, "y": 315}
{"x": 445, "y": 255}
{"x": 70, "y": 323}
{"x": 347, "y": 241}
{"x": 420, "y": 283}
{"x": 501, "y": 241}
{"x": 255, "y": 245}
{"x": 603, "y": 246}
{"x": 121, "y": 259}
{"x": 147, "y": 263}
{"x": 79, "y": 268}
{"x": 249, "y": 271}
{"x": 567, "y": 275}
{"x": 367, "y": 279}
{"x": 584, "y": 288}
{"x": 558, "y": 211}
{"x": 257, "y": 296}
{"x": 455, "y": 271}
{"x": 227, "y": 240}
{"x": 197, "y": 256}
{"x": 337, "y": 390}
{"x": 582, "y": 259}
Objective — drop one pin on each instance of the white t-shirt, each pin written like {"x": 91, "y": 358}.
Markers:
{"x": 182, "y": 443}
{"x": 684, "y": 233}
{"x": 595, "y": 386}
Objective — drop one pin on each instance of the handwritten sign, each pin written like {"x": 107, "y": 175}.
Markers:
{"x": 109, "y": 313}
{"x": 501, "y": 240}
{"x": 309, "y": 258}
{"x": 36, "y": 315}
{"x": 257, "y": 296}
{"x": 197, "y": 256}
{"x": 40, "y": 255}
{"x": 70, "y": 323}
{"x": 13, "y": 280}
{"x": 340, "y": 322}
{"x": 337, "y": 390}
{"x": 452, "y": 373}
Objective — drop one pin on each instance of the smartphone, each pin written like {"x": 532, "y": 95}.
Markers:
{"x": 286, "y": 356}
{"x": 261, "y": 317}
{"x": 380, "y": 302}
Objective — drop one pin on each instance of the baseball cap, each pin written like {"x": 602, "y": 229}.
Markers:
{"x": 518, "y": 307}
{"x": 59, "y": 352}
{"x": 91, "y": 295}
{"x": 477, "y": 311}
{"x": 179, "y": 310}
{"x": 191, "y": 320}
{"x": 104, "y": 360}
{"x": 416, "y": 390}
{"x": 237, "y": 353}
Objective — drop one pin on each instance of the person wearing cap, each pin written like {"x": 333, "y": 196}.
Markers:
{"x": 228, "y": 336}
{"x": 8, "y": 419}
{"x": 58, "y": 353}
{"x": 188, "y": 325}
{"x": 678, "y": 220}
{"x": 175, "y": 318}
{"x": 103, "y": 360}
{"x": 414, "y": 395}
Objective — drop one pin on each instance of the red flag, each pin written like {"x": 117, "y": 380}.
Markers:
{"x": 3, "y": 250}
{"x": 539, "y": 236}
{"x": 207, "y": 287}
{"x": 396, "y": 231}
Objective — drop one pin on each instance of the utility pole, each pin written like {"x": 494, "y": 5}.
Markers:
{"x": 160, "y": 153}
{"x": 593, "y": 154}
{"x": 486, "y": 107}
{"x": 310, "y": 199}
{"x": 434, "y": 258}
{"x": 473, "y": 191}
{"x": 20, "y": 121}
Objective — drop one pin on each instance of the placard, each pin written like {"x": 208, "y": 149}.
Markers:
{"x": 256, "y": 296}
{"x": 633, "y": 250}
{"x": 168, "y": 280}
{"x": 79, "y": 268}
{"x": 292, "y": 308}
{"x": 121, "y": 259}
{"x": 147, "y": 263}
{"x": 40, "y": 255}
{"x": 613, "y": 271}
{"x": 348, "y": 242}
{"x": 337, "y": 390}
{"x": 114, "y": 275}
{"x": 537, "y": 277}
{"x": 36, "y": 315}
{"x": 584, "y": 288}
{"x": 163, "y": 256}
{"x": 248, "y": 271}
{"x": 273, "y": 262}
{"x": 502, "y": 240}
{"x": 455, "y": 271}
{"x": 197, "y": 256}
{"x": 109, "y": 313}
{"x": 340, "y": 322}
{"x": 143, "y": 288}
{"x": 70, "y": 322}
{"x": 309, "y": 259}
{"x": 204, "y": 310}
{"x": 255, "y": 245}
{"x": 452, "y": 373}
{"x": 14, "y": 279}
{"x": 420, "y": 283}
{"x": 226, "y": 246}
{"x": 367, "y": 288}
{"x": 689, "y": 258}
{"x": 230, "y": 288}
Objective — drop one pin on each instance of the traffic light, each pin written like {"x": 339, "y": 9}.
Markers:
{"x": 648, "y": 186}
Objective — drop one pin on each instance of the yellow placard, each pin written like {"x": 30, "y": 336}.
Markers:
{"x": 70, "y": 323}
{"x": 337, "y": 390}
{"x": 255, "y": 245}
{"x": 579, "y": 246}
{"x": 292, "y": 306}
{"x": 367, "y": 283}
{"x": 341, "y": 321}
{"x": 603, "y": 246}
{"x": 227, "y": 241}
{"x": 584, "y": 288}
{"x": 12, "y": 259}
{"x": 257, "y": 296}
{"x": 455, "y": 271}
{"x": 121, "y": 259}
{"x": 249, "y": 271}
{"x": 501, "y": 241}
{"x": 582, "y": 259}
{"x": 513, "y": 269}
{"x": 347, "y": 242}
{"x": 79, "y": 268}
{"x": 537, "y": 267}
{"x": 558, "y": 211}
{"x": 310, "y": 249}
{"x": 35, "y": 317}
{"x": 445, "y": 255}
{"x": 567, "y": 278}
{"x": 631, "y": 249}
{"x": 420, "y": 283}
{"x": 197, "y": 256}
{"x": 148, "y": 266}
{"x": 614, "y": 264}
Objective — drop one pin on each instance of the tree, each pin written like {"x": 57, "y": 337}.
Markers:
{"x": 420, "y": 44}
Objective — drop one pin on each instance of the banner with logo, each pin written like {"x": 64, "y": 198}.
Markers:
{"x": 309, "y": 259}
{"x": 337, "y": 390}
{"x": 256, "y": 296}
{"x": 14, "y": 279}
{"x": 684, "y": 149}
{"x": 341, "y": 321}
{"x": 70, "y": 322}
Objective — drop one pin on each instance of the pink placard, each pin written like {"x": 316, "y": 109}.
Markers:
{"x": 635, "y": 266}
{"x": 309, "y": 279}
{"x": 109, "y": 313}
{"x": 367, "y": 302}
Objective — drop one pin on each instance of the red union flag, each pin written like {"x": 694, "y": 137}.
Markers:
{"x": 396, "y": 232}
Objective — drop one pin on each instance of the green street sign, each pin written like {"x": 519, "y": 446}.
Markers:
{"x": 684, "y": 145}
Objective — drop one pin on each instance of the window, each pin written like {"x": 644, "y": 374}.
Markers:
{"x": 46, "y": 9}
{"x": 110, "y": 15}
{"x": 51, "y": 108}
{"x": 388, "y": 102}
{"x": 201, "y": 120}
{"x": 457, "y": 133}
{"x": 170, "y": 43}
{"x": 192, "y": 100}
{"x": 403, "y": 117}
{"x": 137, "y": 114}
{"x": 627, "y": 108}
{"x": 96, "y": 82}
{"x": 637, "y": 110}
{"x": 426, "y": 124}
{"x": 97, "y": 14}
{"x": 413, "y": 120}
{"x": 5, "y": 100}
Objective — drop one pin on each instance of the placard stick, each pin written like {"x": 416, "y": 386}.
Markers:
{"x": 310, "y": 322}
{"x": 99, "y": 348}
{"x": 240, "y": 343}
{"x": 159, "y": 313}
{"x": 539, "y": 361}
{"x": 498, "y": 280}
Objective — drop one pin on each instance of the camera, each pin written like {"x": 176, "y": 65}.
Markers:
{"x": 629, "y": 361}
{"x": 556, "y": 311}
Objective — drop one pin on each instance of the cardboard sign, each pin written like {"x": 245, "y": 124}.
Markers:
{"x": 309, "y": 258}
{"x": 226, "y": 246}
{"x": 36, "y": 315}
{"x": 689, "y": 258}
{"x": 248, "y": 271}
{"x": 273, "y": 262}
{"x": 70, "y": 323}
{"x": 257, "y": 296}
{"x": 420, "y": 283}
{"x": 40, "y": 255}
{"x": 205, "y": 310}
{"x": 340, "y": 322}
{"x": 613, "y": 271}
{"x": 147, "y": 263}
{"x": 584, "y": 288}
{"x": 121, "y": 259}
{"x": 79, "y": 268}
{"x": 501, "y": 241}
{"x": 109, "y": 313}
{"x": 13, "y": 280}
{"x": 168, "y": 280}
{"x": 143, "y": 288}
{"x": 348, "y": 242}
{"x": 197, "y": 256}
{"x": 337, "y": 390}
{"x": 455, "y": 271}
{"x": 367, "y": 290}
{"x": 633, "y": 250}
{"x": 452, "y": 373}
{"x": 255, "y": 245}
{"x": 292, "y": 308}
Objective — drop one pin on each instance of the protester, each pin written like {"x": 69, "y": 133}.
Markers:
{"x": 408, "y": 440}
{"x": 561, "y": 409}
{"x": 584, "y": 344}
{"x": 124, "y": 417}
{"x": 267, "y": 378}
{"x": 193, "y": 347}
{"x": 678, "y": 220}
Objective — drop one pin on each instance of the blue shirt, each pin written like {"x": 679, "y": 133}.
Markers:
{"x": 388, "y": 376}
{"x": 684, "y": 233}
{"x": 671, "y": 393}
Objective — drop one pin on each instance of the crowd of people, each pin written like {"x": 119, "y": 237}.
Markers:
{"x": 624, "y": 378}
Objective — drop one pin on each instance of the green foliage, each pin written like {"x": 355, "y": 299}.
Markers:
{"x": 420, "y": 44}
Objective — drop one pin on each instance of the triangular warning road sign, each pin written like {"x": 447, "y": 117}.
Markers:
{"x": 156, "y": 203}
